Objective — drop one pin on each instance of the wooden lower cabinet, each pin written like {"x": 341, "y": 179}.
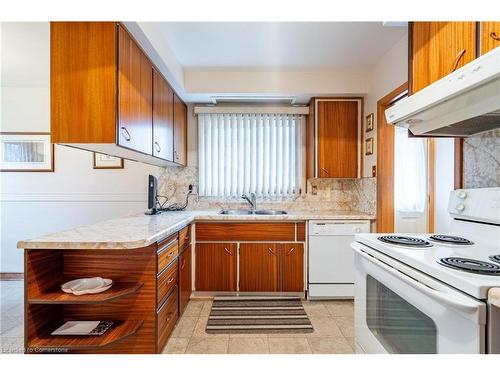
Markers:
{"x": 184, "y": 279}
{"x": 292, "y": 267}
{"x": 166, "y": 318}
{"x": 216, "y": 267}
{"x": 259, "y": 267}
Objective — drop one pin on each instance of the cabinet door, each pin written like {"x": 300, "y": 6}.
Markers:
{"x": 180, "y": 131}
{"x": 490, "y": 36}
{"x": 337, "y": 132}
{"x": 437, "y": 49}
{"x": 259, "y": 267}
{"x": 293, "y": 267}
{"x": 184, "y": 279}
{"x": 163, "y": 118}
{"x": 215, "y": 267}
{"x": 135, "y": 77}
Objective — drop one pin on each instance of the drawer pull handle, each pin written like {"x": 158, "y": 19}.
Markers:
{"x": 271, "y": 251}
{"x": 457, "y": 60}
{"x": 183, "y": 264}
{"x": 170, "y": 254}
{"x": 170, "y": 280}
{"x": 125, "y": 133}
{"x": 290, "y": 251}
{"x": 228, "y": 251}
{"x": 169, "y": 317}
{"x": 494, "y": 36}
{"x": 157, "y": 147}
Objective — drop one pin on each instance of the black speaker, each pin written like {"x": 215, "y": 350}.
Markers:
{"x": 152, "y": 185}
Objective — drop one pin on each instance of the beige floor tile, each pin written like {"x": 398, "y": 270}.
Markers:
{"x": 248, "y": 335}
{"x": 249, "y": 345}
{"x": 12, "y": 345}
{"x": 330, "y": 345}
{"x": 16, "y": 331}
{"x": 346, "y": 325}
{"x": 315, "y": 309}
{"x": 185, "y": 327}
{"x": 350, "y": 340}
{"x": 207, "y": 307}
{"x": 340, "y": 308}
{"x": 288, "y": 345}
{"x": 9, "y": 322}
{"x": 199, "y": 345}
{"x": 193, "y": 308}
{"x": 324, "y": 327}
{"x": 176, "y": 346}
{"x": 201, "y": 325}
{"x": 296, "y": 335}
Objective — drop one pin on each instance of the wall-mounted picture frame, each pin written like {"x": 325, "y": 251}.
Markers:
{"x": 103, "y": 161}
{"x": 369, "y": 146}
{"x": 369, "y": 122}
{"x": 26, "y": 152}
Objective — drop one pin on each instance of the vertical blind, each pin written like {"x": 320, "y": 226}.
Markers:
{"x": 249, "y": 153}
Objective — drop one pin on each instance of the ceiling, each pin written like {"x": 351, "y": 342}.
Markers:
{"x": 293, "y": 45}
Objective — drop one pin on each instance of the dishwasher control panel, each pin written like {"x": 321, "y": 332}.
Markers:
{"x": 338, "y": 227}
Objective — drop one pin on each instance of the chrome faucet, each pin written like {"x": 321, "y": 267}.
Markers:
{"x": 252, "y": 200}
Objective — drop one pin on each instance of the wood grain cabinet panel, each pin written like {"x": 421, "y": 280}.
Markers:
{"x": 489, "y": 36}
{"x": 166, "y": 318}
{"x": 185, "y": 282}
{"x": 167, "y": 280}
{"x": 239, "y": 231}
{"x": 337, "y": 139}
{"x": 180, "y": 131}
{"x": 259, "y": 267}
{"x": 292, "y": 267}
{"x": 135, "y": 80}
{"x": 167, "y": 254}
{"x": 437, "y": 49}
{"x": 163, "y": 118}
{"x": 216, "y": 267}
{"x": 184, "y": 238}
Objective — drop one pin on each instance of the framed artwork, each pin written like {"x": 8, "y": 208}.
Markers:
{"x": 369, "y": 146}
{"x": 369, "y": 122}
{"x": 26, "y": 152}
{"x": 103, "y": 161}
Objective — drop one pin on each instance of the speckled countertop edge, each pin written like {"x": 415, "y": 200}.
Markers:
{"x": 494, "y": 297}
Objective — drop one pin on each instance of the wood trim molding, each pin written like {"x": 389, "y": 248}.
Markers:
{"x": 9, "y": 276}
{"x": 459, "y": 163}
{"x": 385, "y": 162}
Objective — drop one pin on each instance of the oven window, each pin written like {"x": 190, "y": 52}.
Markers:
{"x": 398, "y": 326}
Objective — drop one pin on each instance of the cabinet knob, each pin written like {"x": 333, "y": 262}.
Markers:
{"x": 157, "y": 147}
{"x": 494, "y": 36}
{"x": 125, "y": 133}
{"x": 183, "y": 264}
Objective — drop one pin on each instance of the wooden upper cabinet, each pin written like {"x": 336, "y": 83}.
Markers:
{"x": 259, "y": 267}
{"x": 337, "y": 138}
{"x": 163, "y": 118}
{"x": 216, "y": 267}
{"x": 489, "y": 36}
{"x": 180, "y": 131}
{"x": 293, "y": 267}
{"x": 437, "y": 49}
{"x": 135, "y": 91}
{"x": 82, "y": 82}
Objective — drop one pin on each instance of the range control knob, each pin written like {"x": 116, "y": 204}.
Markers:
{"x": 357, "y": 230}
{"x": 460, "y": 207}
{"x": 462, "y": 194}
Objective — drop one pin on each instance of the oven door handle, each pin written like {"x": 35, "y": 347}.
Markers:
{"x": 425, "y": 289}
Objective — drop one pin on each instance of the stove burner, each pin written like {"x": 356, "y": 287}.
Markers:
{"x": 451, "y": 239}
{"x": 495, "y": 258}
{"x": 471, "y": 265}
{"x": 405, "y": 241}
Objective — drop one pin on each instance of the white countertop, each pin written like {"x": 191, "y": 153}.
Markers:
{"x": 494, "y": 297}
{"x": 142, "y": 230}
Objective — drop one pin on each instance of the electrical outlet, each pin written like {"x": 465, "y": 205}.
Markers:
{"x": 314, "y": 190}
{"x": 374, "y": 171}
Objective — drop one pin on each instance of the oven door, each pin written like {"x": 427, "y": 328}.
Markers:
{"x": 401, "y": 310}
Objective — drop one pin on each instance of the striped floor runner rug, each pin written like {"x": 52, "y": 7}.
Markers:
{"x": 258, "y": 315}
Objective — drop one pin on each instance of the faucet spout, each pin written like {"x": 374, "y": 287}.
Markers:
{"x": 252, "y": 200}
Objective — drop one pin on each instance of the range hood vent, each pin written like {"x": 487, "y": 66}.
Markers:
{"x": 464, "y": 103}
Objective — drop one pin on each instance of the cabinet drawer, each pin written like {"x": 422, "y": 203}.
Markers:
{"x": 167, "y": 280}
{"x": 238, "y": 231}
{"x": 167, "y": 255}
{"x": 167, "y": 317}
{"x": 184, "y": 238}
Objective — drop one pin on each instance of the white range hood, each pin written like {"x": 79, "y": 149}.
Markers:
{"x": 463, "y": 103}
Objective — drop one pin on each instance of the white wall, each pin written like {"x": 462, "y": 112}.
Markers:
{"x": 37, "y": 203}
{"x": 390, "y": 73}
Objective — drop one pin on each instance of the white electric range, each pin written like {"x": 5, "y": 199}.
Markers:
{"x": 427, "y": 293}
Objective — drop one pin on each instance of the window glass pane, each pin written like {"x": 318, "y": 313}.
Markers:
{"x": 23, "y": 152}
{"x": 399, "y": 326}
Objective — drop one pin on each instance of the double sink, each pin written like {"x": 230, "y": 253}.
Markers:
{"x": 251, "y": 212}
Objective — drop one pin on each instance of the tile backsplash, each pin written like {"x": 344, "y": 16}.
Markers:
{"x": 482, "y": 160}
{"x": 330, "y": 194}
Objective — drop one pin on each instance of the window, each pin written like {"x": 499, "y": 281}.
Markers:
{"x": 249, "y": 153}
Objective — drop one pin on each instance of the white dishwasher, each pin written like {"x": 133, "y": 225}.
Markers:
{"x": 331, "y": 259}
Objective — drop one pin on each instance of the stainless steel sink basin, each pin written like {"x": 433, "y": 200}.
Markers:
{"x": 236, "y": 212}
{"x": 270, "y": 212}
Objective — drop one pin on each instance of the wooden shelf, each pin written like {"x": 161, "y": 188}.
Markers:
{"x": 119, "y": 331}
{"x": 118, "y": 290}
